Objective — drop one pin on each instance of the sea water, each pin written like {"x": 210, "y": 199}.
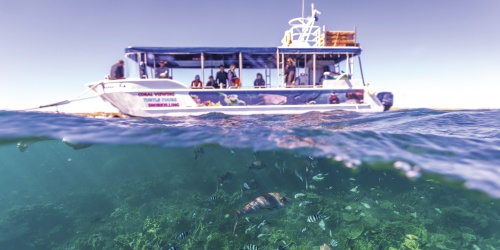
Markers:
{"x": 408, "y": 179}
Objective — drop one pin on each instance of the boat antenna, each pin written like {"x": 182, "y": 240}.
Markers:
{"x": 302, "y": 8}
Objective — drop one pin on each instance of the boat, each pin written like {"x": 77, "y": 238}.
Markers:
{"x": 324, "y": 78}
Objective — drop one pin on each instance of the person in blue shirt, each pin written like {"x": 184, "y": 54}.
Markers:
{"x": 117, "y": 71}
{"x": 212, "y": 83}
{"x": 162, "y": 71}
{"x": 259, "y": 82}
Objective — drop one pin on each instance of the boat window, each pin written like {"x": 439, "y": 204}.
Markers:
{"x": 132, "y": 69}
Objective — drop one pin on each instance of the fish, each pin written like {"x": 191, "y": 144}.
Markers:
{"x": 184, "y": 235}
{"x": 198, "y": 152}
{"x": 266, "y": 203}
{"x": 318, "y": 177}
{"x": 263, "y": 223}
{"x": 411, "y": 237}
{"x": 213, "y": 198}
{"x": 285, "y": 247}
{"x": 263, "y": 235}
{"x": 304, "y": 203}
{"x": 299, "y": 175}
{"x": 226, "y": 177}
{"x": 173, "y": 248}
{"x": 315, "y": 218}
{"x": 250, "y": 246}
{"x": 271, "y": 99}
{"x": 76, "y": 145}
{"x": 257, "y": 165}
{"x": 249, "y": 186}
{"x": 298, "y": 195}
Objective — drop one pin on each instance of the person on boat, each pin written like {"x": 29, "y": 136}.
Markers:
{"x": 196, "y": 83}
{"x": 221, "y": 77}
{"x": 211, "y": 83}
{"x": 162, "y": 71}
{"x": 259, "y": 82}
{"x": 232, "y": 77}
{"x": 290, "y": 71}
{"x": 117, "y": 71}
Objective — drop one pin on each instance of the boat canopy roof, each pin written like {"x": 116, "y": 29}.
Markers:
{"x": 249, "y": 50}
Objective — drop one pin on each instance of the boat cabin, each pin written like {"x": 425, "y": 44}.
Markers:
{"x": 320, "y": 58}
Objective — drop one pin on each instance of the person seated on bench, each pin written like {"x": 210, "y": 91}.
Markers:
{"x": 196, "y": 83}
{"x": 211, "y": 83}
{"x": 259, "y": 82}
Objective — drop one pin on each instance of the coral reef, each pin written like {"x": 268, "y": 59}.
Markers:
{"x": 148, "y": 205}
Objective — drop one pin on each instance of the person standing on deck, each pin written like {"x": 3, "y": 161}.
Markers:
{"x": 231, "y": 76}
{"x": 290, "y": 71}
{"x": 117, "y": 71}
{"x": 221, "y": 77}
{"x": 162, "y": 71}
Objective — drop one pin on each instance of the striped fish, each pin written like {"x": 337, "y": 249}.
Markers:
{"x": 251, "y": 247}
{"x": 213, "y": 198}
{"x": 183, "y": 235}
{"x": 315, "y": 218}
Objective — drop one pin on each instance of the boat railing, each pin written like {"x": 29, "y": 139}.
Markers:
{"x": 303, "y": 32}
{"x": 336, "y": 39}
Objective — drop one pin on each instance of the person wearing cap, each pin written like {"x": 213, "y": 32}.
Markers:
{"x": 196, "y": 83}
{"x": 117, "y": 71}
{"x": 211, "y": 83}
{"x": 221, "y": 77}
{"x": 162, "y": 71}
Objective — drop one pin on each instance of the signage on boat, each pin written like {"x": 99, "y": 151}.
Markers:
{"x": 159, "y": 105}
{"x": 159, "y": 99}
{"x": 156, "y": 94}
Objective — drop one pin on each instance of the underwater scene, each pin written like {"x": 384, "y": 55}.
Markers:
{"x": 412, "y": 179}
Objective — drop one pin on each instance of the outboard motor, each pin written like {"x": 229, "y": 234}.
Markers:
{"x": 387, "y": 99}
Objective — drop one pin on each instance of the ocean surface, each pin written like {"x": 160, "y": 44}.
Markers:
{"x": 407, "y": 179}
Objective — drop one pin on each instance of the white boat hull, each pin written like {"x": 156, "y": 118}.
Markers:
{"x": 157, "y": 98}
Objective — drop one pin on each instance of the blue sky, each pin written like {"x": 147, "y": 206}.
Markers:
{"x": 430, "y": 53}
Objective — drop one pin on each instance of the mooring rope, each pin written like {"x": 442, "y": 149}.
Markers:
{"x": 74, "y": 99}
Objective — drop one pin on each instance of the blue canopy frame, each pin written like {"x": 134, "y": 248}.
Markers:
{"x": 242, "y": 57}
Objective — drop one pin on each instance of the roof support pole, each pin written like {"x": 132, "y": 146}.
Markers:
{"x": 202, "y": 58}
{"x": 348, "y": 65}
{"x": 277, "y": 67}
{"x": 282, "y": 84}
{"x": 240, "y": 68}
{"x": 361, "y": 71}
{"x": 305, "y": 67}
{"x": 314, "y": 70}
